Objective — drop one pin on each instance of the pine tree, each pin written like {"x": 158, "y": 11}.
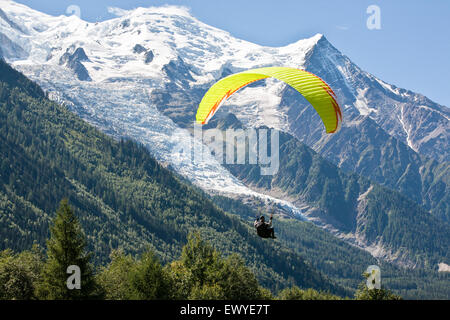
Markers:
{"x": 66, "y": 247}
{"x": 364, "y": 293}
{"x": 16, "y": 281}
{"x": 238, "y": 282}
{"x": 149, "y": 280}
{"x": 201, "y": 259}
{"x": 295, "y": 293}
{"x": 115, "y": 277}
{"x": 202, "y": 273}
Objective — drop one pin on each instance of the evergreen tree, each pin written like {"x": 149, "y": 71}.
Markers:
{"x": 207, "y": 292}
{"x": 182, "y": 279}
{"x": 237, "y": 281}
{"x": 295, "y": 293}
{"x": 200, "y": 258}
{"x": 14, "y": 283}
{"x": 149, "y": 280}
{"x": 19, "y": 274}
{"x": 115, "y": 278}
{"x": 66, "y": 247}
{"x": 364, "y": 293}
{"x": 202, "y": 273}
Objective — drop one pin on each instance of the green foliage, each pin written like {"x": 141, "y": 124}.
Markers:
{"x": 207, "y": 292}
{"x": 149, "y": 280}
{"x": 200, "y": 259}
{"x": 202, "y": 273}
{"x": 15, "y": 79}
{"x": 295, "y": 293}
{"x": 406, "y": 227}
{"x": 65, "y": 247}
{"x": 238, "y": 282}
{"x": 114, "y": 279}
{"x": 343, "y": 262}
{"x": 364, "y": 293}
{"x": 19, "y": 274}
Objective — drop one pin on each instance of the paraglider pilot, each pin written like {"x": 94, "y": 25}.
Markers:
{"x": 264, "y": 229}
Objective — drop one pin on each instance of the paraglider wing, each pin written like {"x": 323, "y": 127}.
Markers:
{"x": 314, "y": 89}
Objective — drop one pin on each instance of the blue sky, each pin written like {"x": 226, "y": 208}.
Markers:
{"x": 411, "y": 50}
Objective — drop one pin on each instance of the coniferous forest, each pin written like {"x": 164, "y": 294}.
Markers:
{"x": 200, "y": 273}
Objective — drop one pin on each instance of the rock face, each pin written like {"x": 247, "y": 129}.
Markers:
{"x": 73, "y": 62}
{"x": 139, "y": 48}
{"x": 413, "y": 119}
{"x": 148, "y": 54}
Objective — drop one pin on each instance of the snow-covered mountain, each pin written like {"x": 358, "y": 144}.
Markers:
{"x": 143, "y": 43}
{"x": 143, "y": 74}
{"x": 107, "y": 73}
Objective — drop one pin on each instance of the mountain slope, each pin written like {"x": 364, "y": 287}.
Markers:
{"x": 389, "y": 162}
{"x": 372, "y": 215}
{"x": 49, "y": 153}
{"x": 413, "y": 119}
{"x": 122, "y": 196}
{"x": 387, "y": 133}
{"x": 187, "y": 56}
{"x": 344, "y": 262}
{"x": 142, "y": 76}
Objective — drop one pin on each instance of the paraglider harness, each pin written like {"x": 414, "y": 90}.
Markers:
{"x": 264, "y": 229}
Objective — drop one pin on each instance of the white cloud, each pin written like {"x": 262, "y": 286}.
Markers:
{"x": 117, "y": 11}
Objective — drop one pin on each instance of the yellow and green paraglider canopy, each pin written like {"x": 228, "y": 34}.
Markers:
{"x": 314, "y": 89}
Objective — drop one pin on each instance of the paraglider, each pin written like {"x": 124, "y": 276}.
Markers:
{"x": 314, "y": 89}
{"x": 264, "y": 229}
